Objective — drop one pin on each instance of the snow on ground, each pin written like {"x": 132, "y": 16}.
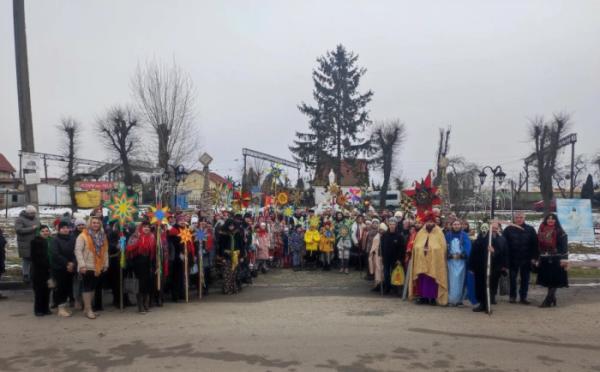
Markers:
{"x": 580, "y": 257}
{"x": 46, "y": 211}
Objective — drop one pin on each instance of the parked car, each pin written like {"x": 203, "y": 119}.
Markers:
{"x": 539, "y": 206}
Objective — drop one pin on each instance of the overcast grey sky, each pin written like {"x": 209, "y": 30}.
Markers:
{"x": 483, "y": 67}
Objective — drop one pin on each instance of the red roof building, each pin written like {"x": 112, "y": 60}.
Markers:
{"x": 6, "y": 169}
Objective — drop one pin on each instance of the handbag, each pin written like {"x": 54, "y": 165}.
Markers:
{"x": 131, "y": 284}
{"x": 194, "y": 269}
{"x": 398, "y": 276}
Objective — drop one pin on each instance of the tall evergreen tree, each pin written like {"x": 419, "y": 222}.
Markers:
{"x": 340, "y": 116}
{"x": 587, "y": 190}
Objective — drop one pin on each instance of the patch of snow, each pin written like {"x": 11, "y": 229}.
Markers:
{"x": 581, "y": 257}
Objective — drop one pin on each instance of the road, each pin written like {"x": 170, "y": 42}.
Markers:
{"x": 308, "y": 321}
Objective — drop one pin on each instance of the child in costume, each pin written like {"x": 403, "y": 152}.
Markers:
{"x": 326, "y": 245}
{"x": 344, "y": 245}
{"x": 296, "y": 244}
{"x": 311, "y": 239}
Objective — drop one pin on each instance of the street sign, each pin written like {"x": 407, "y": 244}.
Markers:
{"x": 205, "y": 159}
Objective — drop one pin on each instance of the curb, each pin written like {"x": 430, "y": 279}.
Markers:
{"x": 13, "y": 285}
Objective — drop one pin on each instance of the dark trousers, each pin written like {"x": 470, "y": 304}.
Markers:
{"x": 142, "y": 271}
{"x": 177, "y": 281}
{"x": 64, "y": 286}
{"x": 41, "y": 292}
{"x": 480, "y": 287}
{"x": 523, "y": 270}
{"x": 388, "y": 267}
{"x": 113, "y": 278}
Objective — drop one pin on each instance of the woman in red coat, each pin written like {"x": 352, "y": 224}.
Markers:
{"x": 141, "y": 251}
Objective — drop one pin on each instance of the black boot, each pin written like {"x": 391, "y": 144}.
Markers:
{"x": 140, "y": 303}
{"x": 146, "y": 299}
{"x": 479, "y": 309}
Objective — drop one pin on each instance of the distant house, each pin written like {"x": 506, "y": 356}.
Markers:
{"x": 114, "y": 172}
{"x": 354, "y": 174}
{"x": 7, "y": 171}
{"x": 10, "y": 195}
{"x": 194, "y": 184}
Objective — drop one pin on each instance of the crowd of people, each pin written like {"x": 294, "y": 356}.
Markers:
{"x": 430, "y": 259}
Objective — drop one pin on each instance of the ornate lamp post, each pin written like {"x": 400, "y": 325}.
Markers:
{"x": 497, "y": 173}
{"x": 205, "y": 160}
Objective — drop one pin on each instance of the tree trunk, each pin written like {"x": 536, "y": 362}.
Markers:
{"x": 547, "y": 193}
{"x": 127, "y": 173}
{"x": 71, "y": 171}
{"x": 387, "y": 173}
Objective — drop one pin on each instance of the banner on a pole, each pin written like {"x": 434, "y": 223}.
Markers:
{"x": 575, "y": 216}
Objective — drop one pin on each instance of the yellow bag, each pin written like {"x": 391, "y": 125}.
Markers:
{"x": 398, "y": 276}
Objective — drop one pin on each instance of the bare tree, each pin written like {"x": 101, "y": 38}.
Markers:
{"x": 164, "y": 97}
{"x": 596, "y": 163}
{"x": 386, "y": 139}
{"x": 70, "y": 131}
{"x": 441, "y": 153}
{"x": 118, "y": 129}
{"x": 563, "y": 175}
{"x": 545, "y": 137}
{"x": 462, "y": 178}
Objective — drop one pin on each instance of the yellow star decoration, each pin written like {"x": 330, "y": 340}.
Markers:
{"x": 185, "y": 236}
{"x": 122, "y": 209}
{"x": 288, "y": 212}
{"x": 282, "y": 198}
{"x": 159, "y": 215}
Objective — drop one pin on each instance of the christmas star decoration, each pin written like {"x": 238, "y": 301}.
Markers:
{"x": 159, "y": 215}
{"x": 185, "y": 236}
{"x": 122, "y": 208}
{"x": 200, "y": 235}
{"x": 282, "y": 198}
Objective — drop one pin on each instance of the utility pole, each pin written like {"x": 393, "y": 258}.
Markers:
{"x": 572, "y": 169}
{"x": 25, "y": 120}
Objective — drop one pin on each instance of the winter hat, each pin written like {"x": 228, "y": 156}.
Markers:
{"x": 383, "y": 226}
{"x": 79, "y": 221}
{"x": 30, "y": 209}
{"x": 398, "y": 214}
{"x": 393, "y": 220}
{"x": 62, "y": 224}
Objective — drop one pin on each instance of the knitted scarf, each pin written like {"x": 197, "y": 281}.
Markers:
{"x": 97, "y": 244}
{"x": 547, "y": 239}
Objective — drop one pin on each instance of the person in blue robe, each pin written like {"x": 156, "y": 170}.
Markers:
{"x": 459, "y": 249}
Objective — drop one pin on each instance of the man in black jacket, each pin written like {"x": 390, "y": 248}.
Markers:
{"x": 478, "y": 264}
{"x": 522, "y": 250}
{"x": 392, "y": 252}
{"x": 2, "y": 258}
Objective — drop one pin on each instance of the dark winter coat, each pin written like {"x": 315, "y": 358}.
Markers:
{"x": 40, "y": 261}
{"x": 225, "y": 243}
{"x": 550, "y": 273}
{"x": 522, "y": 244}
{"x": 392, "y": 247}
{"x": 478, "y": 257}
{"x": 62, "y": 251}
{"x": 25, "y": 227}
{"x": 2, "y": 253}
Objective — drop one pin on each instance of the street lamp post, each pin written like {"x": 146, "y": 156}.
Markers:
{"x": 180, "y": 175}
{"x": 496, "y": 173}
{"x": 205, "y": 159}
